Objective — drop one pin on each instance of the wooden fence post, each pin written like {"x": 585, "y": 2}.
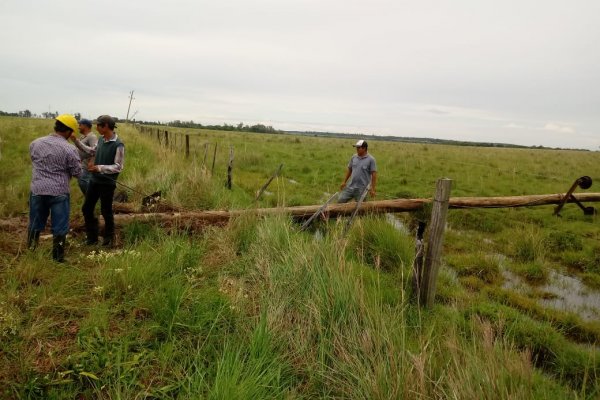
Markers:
{"x": 167, "y": 139}
{"x": 187, "y": 146}
{"x": 212, "y": 170}
{"x": 437, "y": 226}
{"x": 205, "y": 154}
{"x": 230, "y": 167}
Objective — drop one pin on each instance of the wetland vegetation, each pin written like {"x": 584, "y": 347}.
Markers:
{"x": 259, "y": 309}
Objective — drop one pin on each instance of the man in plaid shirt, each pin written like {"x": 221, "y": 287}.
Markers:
{"x": 54, "y": 162}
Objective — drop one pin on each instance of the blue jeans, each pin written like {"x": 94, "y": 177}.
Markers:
{"x": 349, "y": 194}
{"x": 84, "y": 180}
{"x": 58, "y": 207}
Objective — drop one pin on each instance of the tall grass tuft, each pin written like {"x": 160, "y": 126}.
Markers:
{"x": 374, "y": 241}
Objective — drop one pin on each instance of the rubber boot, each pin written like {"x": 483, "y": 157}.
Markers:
{"x": 107, "y": 241}
{"x": 91, "y": 230}
{"x": 58, "y": 248}
{"x": 33, "y": 238}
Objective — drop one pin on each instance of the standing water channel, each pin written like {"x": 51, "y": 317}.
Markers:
{"x": 562, "y": 292}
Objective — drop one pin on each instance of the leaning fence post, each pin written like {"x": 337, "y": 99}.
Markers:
{"x": 212, "y": 170}
{"x": 437, "y": 226}
{"x": 264, "y": 187}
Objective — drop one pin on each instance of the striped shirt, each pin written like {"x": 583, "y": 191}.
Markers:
{"x": 54, "y": 161}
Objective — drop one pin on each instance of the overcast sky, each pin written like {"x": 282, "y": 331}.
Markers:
{"x": 512, "y": 71}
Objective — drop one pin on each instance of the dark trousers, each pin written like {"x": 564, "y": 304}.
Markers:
{"x": 104, "y": 193}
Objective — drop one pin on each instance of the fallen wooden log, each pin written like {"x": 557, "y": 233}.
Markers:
{"x": 369, "y": 207}
{"x": 203, "y": 218}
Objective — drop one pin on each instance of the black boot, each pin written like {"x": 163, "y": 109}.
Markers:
{"x": 58, "y": 248}
{"x": 33, "y": 238}
{"x": 107, "y": 241}
{"x": 91, "y": 230}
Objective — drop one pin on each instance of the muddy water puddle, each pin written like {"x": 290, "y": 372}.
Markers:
{"x": 397, "y": 223}
{"x": 561, "y": 292}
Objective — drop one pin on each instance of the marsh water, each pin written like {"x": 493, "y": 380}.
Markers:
{"x": 561, "y": 292}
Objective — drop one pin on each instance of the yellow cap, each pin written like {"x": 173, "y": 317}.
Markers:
{"x": 70, "y": 121}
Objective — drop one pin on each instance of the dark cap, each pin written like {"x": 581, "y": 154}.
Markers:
{"x": 85, "y": 121}
{"x": 106, "y": 119}
{"x": 361, "y": 143}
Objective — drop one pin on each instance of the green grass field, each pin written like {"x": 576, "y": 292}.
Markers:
{"x": 260, "y": 310}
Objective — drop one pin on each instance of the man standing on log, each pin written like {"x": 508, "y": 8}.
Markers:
{"x": 89, "y": 139}
{"x": 54, "y": 163}
{"x": 109, "y": 157}
{"x": 362, "y": 171}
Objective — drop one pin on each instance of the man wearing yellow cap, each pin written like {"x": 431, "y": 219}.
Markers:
{"x": 54, "y": 162}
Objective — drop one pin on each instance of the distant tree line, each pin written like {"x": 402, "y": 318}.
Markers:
{"x": 260, "y": 128}
{"x": 29, "y": 114}
{"x": 408, "y": 139}
{"x": 241, "y": 127}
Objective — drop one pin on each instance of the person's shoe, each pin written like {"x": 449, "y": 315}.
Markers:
{"x": 107, "y": 241}
{"x": 58, "y": 248}
{"x": 91, "y": 232}
{"x": 33, "y": 238}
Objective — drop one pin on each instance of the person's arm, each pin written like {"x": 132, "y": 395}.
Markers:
{"x": 92, "y": 140}
{"x": 373, "y": 190}
{"x": 90, "y": 150}
{"x": 74, "y": 165}
{"x": 115, "y": 167}
{"x": 348, "y": 173}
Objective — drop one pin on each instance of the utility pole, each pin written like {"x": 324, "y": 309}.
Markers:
{"x": 129, "y": 107}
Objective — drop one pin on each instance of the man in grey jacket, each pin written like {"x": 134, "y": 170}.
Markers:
{"x": 89, "y": 139}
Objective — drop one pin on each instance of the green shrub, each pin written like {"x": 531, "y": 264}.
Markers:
{"x": 137, "y": 232}
{"x": 592, "y": 280}
{"x": 562, "y": 241}
{"x": 592, "y": 263}
{"x": 243, "y": 231}
{"x": 482, "y": 266}
{"x": 476, "y": 220}
{"x": 528, "y": 248}
{"x": 533, "y": 271}
{"x": 379, "y": 244}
